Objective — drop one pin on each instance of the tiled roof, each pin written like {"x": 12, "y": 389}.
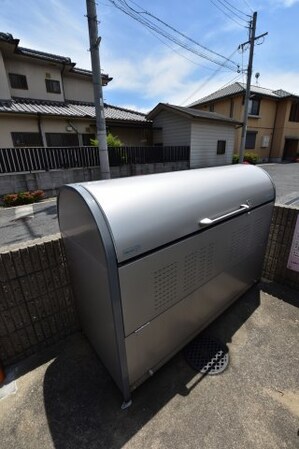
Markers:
{"x": 51, "y": 57}
{"x": 237, "y": 88}
{"x": 192, "y": 113}
{"x": 43, "y": 55}
{"x": 70, "y": 109}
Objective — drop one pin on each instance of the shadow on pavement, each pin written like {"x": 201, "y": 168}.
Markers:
{"x": 281, "y": 292}
{"x": 50, "y": 210}
{"x": 83, "y": 404}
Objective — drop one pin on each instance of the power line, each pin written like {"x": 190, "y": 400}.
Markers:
{"x": 227, "y": 15}
{"x": 229, "y": 82}
{"x": 230, "y": 9}
{"x": 183, "y": 35}
{"x": 174, "y": 29}
{"x": 248, "y": 4}
{"x": 206, "y": 81}
{"x": 182, "y": 55}
{"x": 136, "y": 15}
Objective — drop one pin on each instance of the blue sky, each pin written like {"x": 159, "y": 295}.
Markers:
{"x": 144, "y": 70}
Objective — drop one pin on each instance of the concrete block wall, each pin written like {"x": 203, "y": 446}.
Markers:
{"x": 51, "y": 181}
{"x": 279, "y": 245}
{"x": 36, "y": 300}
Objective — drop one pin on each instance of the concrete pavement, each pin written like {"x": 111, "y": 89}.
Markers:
{"x": 65, "y": 399}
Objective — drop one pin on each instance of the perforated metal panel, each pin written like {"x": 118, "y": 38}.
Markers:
{"x": 165, "y": 286}
{"x": 240, "y": 242}
{"x": 199, "y": 267}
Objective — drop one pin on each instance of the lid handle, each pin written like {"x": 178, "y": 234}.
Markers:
{"x": 208, "y": 221}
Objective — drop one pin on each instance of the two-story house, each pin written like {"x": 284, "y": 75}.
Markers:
{"x": 45, "y": 100}
{"x": 273, "y": 122}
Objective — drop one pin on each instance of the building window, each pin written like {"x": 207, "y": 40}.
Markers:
{"x": 294, "y": 112}
{"x": 86, "y": 139}
{"x": 62, "y": 140}
{"x": 26, "y": 139}
{"x": 254, "y": 106}
{"x": 211, "y": 107}
{"x": 18, "y": 81}
{"x": 250, "y": 140}
{"x": 53, "y": 86}
{"x": 221, "y": 145}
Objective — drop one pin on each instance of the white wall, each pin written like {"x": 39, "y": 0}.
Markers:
{"x": 13, "y": 123}
{"x": 23, "y": 123}
{"x": 175, "y": 129}
{"x": 204, "y": 137}
{"x": 36, "y": 75}
{"x": 78, "y": 88}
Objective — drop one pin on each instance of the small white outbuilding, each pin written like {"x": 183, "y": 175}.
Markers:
{"x": 210, "y": 136}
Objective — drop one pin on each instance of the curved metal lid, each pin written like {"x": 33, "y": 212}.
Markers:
{"x": 145, "y": 212}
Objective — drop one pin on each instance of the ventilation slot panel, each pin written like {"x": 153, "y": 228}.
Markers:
{"x": 165, "y": 286}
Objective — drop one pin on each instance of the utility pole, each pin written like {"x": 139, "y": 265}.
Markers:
{"x": 94, "y": 41}
{"x": 251, "y": 42}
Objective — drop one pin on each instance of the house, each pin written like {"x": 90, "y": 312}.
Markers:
{"x": 209, "y": 135}
{"x": 273, "y": 121}
{"x": 45, "y": 100}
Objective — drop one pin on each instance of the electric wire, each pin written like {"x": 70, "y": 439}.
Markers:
{"x": 199, "y": 64}
{"x": 222, "y": 87}
{"x": 248, "y": 5}
{"x": 229, "y": 82}
{"x": 131, "y": 12}
{"x": 171, "y": 27}
{"x": 227, "y": 15}
{"x": 231, "y": 10}
{"x": 183, "y": 35}
{"x": 201, "y": 86}
{"x": 234, "y": 7}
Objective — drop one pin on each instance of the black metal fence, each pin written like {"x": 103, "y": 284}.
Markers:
{"x": 16, "y": 160}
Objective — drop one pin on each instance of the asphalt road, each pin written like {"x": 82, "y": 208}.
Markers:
{"x": 286, "y": 180}
{"x": 23, "y": 223}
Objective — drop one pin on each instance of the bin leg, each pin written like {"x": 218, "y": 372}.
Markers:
{"x": 127, "y": 402}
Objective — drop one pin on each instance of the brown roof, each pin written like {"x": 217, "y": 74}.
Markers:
{"x": 192, "y": 113}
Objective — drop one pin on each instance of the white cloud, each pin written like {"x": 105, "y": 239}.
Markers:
{"x": 162, "y": 77}
{"x": 278, "y": 4}
{"x": 134, "y": 107}
{"x": 280, "y": 80}
{"x": 287, "y": 3}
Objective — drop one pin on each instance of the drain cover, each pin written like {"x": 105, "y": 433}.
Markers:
{"x": 207, "y": 355}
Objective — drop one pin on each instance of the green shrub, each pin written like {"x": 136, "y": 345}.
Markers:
{"x": 249, "y": 156}
{"x": 235, "y": 159}
{"x": 112, "y": 141}
{"x": 18, "y": 199}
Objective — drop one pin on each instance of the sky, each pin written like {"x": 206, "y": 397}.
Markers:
{"x": 147, "y": 71}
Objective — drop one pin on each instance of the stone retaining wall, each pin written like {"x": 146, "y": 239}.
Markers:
{"x": 50, "y": 181}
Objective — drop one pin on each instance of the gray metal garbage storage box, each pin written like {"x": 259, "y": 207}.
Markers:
{"x": 155, "y": 258}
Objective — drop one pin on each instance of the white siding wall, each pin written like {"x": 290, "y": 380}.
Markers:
{"x": 204, "y": 137}
{"x": 175, "y": 129}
